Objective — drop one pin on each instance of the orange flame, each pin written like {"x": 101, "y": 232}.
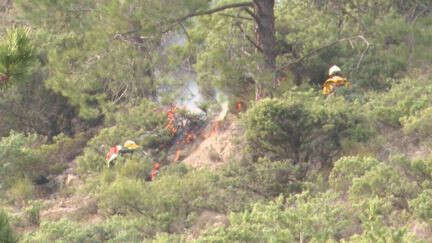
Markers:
{"x": 155, "y": 171}
{"x": 3, "y": 79}
{"x": 190, "y": 137}
{"x": 177, "y": 155}
{"x": 215, "y": 127}
{"x": 240, "y": 106}
{"x": 171, "y": 120}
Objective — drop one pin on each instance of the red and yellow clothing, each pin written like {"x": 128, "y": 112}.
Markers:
{"x": 333, "y": 82}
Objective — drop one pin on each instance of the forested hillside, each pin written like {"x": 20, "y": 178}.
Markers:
{"x": 215, "y": 121}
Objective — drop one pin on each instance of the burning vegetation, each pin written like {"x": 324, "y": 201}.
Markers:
{"x": 189, "y": 129}
{"x": 184, "y": 128}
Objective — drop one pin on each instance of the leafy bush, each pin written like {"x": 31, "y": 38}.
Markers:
{"x": 301, "y": 218}
{"x": 64, "y": 149}
{"x": 177, "y": 196}
{"x": 135, "y": 168}
{"x": 21, "y": 191}
{"x": 302, "y": 127}
{"x": 168, "y": 200}
{"x": 346, "y": 169}
{"x": 386, "y": 58}
{"x": 418, "y": 170}
{"x": 263, "y": 178}
{"x": 397, "y": 181}
{"x": 6, "y": 233}
{"x": 422, "y": 205}
{"x": 17, "y": 159}
{"x": 373, "y": 214}
{"x": 403, "y": 100}
{"x": 280, "y": 127}
{"x": 123, "y": 229}
{"x": 23, "y": 158}
{"x": 384, "y": 181}
{"x": 419, "y": 123}
{"x": 60, "y": 231}
{"x": 33, "y": 214}
{"x": 113, "y": 229}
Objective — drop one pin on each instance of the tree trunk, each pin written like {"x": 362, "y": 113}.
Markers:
{"x": 265, "y": 40}
{"x": 265, "y": 35}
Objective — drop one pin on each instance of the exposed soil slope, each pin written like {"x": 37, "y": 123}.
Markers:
{"x": 218, "y": 148}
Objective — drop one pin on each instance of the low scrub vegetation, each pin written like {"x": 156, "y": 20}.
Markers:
{"x": 234, "y": 86}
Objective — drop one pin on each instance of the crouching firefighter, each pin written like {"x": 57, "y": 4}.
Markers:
{"x": 128, "y": 147}
{"x": 334, "y": 81}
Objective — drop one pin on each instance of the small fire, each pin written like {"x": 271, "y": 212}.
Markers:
{"x": 240, "y": 106}
{"x": 190, "y": 137}
{"x": 171, "y": 126}
{"x": 215, "y": 127}
{"x": 177, "y": 155}
{"x": 155, "y": 171}
{"x": 3, "y": 78}
{"x": 171, "y": 120}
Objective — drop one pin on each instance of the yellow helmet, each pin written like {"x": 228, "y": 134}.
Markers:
{"x": 129, "y": 144}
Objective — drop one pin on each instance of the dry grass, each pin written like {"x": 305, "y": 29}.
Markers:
{"x": 218, "y": 149}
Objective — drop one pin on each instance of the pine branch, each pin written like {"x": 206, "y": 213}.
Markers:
{"x": 316, "y": 51}
{"x": 214, "y": 10}
{"x": 249, "y": 38}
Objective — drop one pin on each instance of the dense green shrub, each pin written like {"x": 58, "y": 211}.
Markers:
{"x": 280, "y": 127}
{"x": 263, "y": 178}
{"x": 386, "y": 58}
{"x": 422, "y": 205}
{"x": 346, "y": 169}
{"x": 62, "y": 150}
{"x": 373, "y": 216}
{"x": 6, "y": 233}
{"x": 418, "y": 170}
{"x": 302, "y": 126}
{"x": 32, "y": 214}
{"x": 397, "y": 181}
{"x": 124, "y": 229}
{"x": 177, "y": 196}
{"x": 419, "y": 123}
{"x": 300, "y": 218}
{"x": 404, "y": 99}
{"x": 169, "y": 199}
{"x": 18, "y": 158}
{"x": 21, "y": 191}
{"x": 113, "y": 229}
{"x": 23, "y": 158}
{"x": 60, "y": 231}
{"x": 383, "y": 181}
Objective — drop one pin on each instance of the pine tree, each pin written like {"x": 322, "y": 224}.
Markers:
{"x": 16, "y": 56}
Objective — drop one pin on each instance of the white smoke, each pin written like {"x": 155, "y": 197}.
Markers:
{"x": 190, "y": 97}
{"x": 223, "y": 101}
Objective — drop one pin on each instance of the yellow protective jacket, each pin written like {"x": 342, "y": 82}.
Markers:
{"x": 333, "y": 82}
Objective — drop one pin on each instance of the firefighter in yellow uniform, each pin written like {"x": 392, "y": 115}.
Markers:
{"x": 334, "y": 81}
